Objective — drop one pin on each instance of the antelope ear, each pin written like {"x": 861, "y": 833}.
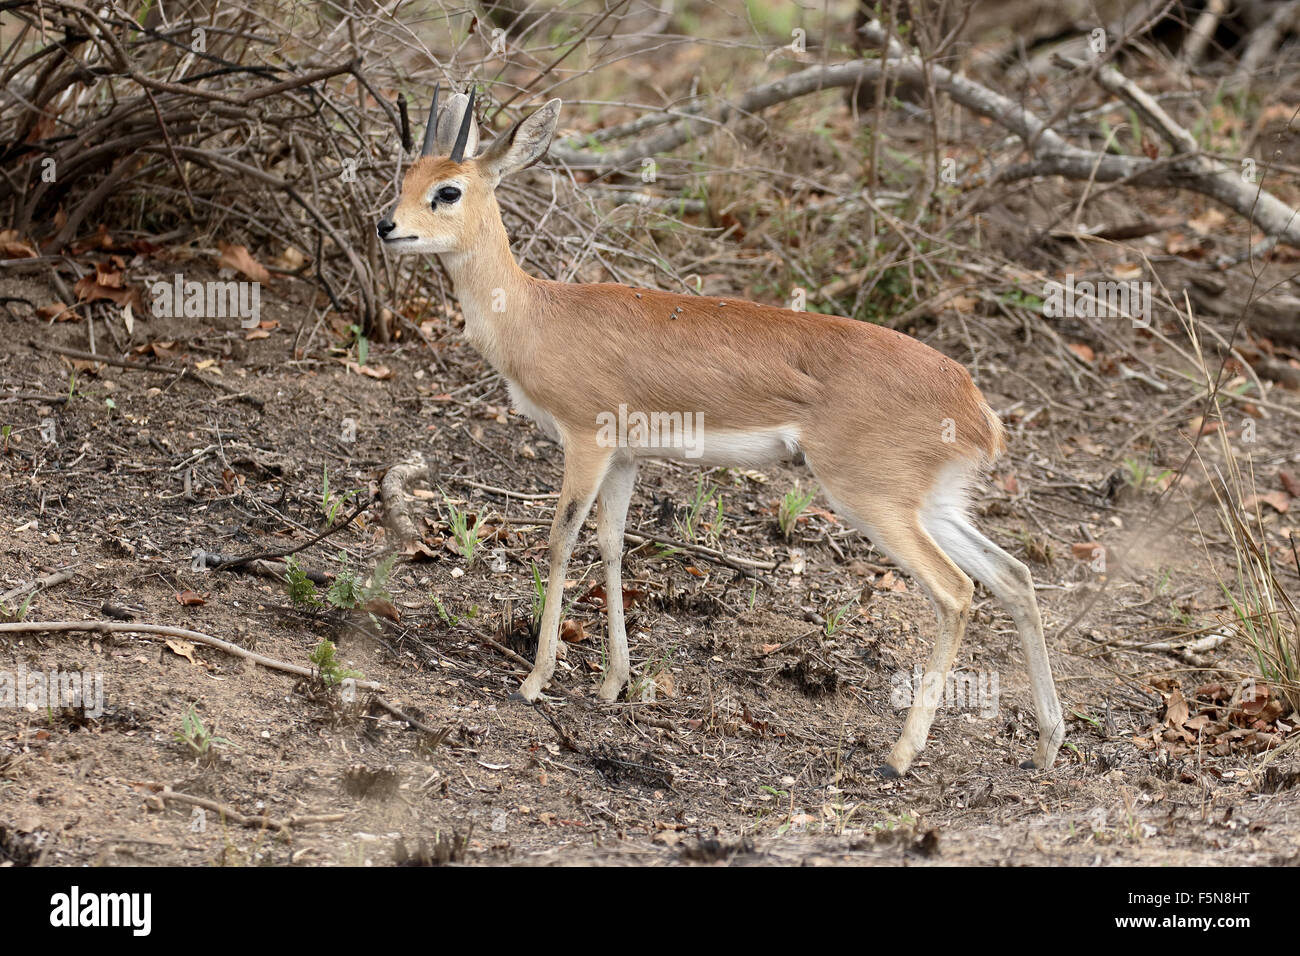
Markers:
{"x": 522, "y": 145}
{"x": 450, "y": 117}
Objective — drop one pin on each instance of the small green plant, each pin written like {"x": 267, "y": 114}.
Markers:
{"x": 448, "y": 618}
{"x": 792, "y": 506}
{"x": 1140, "y": 475}
{"x": 891, "y": 293}
{"x": 648, "y": 680}
{"x": 347, "y": 591}
{"x": 466, "y": 537}
{"x": 330, "y": 503}
{"x": 1018, "y": 298}
{"x": 5, "y": 431}
{"x": 704, "y": 500}
{"x": 840, "y": 617}
{"x": 327, "y": 664}
{"x": 539, "y": 600}
{"x": 893, "y": 822}
{"x": 197, "y": 737}
{"x": 302, "y": 592}
{"x": 21, "y": 613}
{"x": 1095, "y": 721}
{"x": 539, "y": 597}
{"x": 360, "y": 343}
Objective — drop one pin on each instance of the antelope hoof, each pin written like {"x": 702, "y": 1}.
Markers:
{"x": 1038, "y": 763}
{"x": 1044, "y": 756}
{"x": 887, "y": 772}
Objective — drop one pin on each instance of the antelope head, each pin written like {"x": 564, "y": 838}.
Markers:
{"x": 448, "y": 196}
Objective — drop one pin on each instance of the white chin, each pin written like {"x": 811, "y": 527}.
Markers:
{"x": 409, "y": 247}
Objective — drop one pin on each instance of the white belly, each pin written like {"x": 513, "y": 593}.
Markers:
{"x": 734, "y": 449}
{"x": 680, "y": 437}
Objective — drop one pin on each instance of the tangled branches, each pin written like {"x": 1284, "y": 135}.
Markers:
{"x": 269, "y": 123}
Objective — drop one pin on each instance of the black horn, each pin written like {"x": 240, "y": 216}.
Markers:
{"x": 458, "y": 151}
{"x": 431, "y": 131}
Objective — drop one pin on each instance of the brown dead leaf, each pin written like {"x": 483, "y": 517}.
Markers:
{"x": 108, "y": 283}
{"x": 1177, "y": 244}
{"x": 1213, "y": 691}
{"x": 963, "y": 303}
{"x": 184, "y": 649}
{"x": 291, "y": 260}
{"x": 418, "y": 551}
{"x": 241, "y": 260}
{"x": 1208, "y": 223}
{"x": 162, "y": 350}
{"x": 58, "y": 312}
{"x": 573, "y": 632}
{"x": 1254, "y": 703}
{"x": 1289, "y": 482}
{"x": 1176, "y": 711}
{"x": 1087, "y": 550}
{"x": 189, "y": 598}
{"x": 889, "y": 581}
{"x": 380, "y": 372}
{"x": 382, "y": 607}
{"x": 631, "y": 596}
{"x": 1084, "y": 352}
{"x": 11, "y": 247}
{"x": 1279, "y": 501}
{"x": 98, "y": 241}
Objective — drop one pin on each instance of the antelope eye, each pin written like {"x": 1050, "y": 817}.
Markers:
{"x": 447, "y": 194}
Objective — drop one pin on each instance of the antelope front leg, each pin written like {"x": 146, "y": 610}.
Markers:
{"x": 615, "y": 493}
{"x": 584, "y": 468}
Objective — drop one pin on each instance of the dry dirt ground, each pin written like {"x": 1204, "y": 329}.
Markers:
{"x": 766, "y": 720}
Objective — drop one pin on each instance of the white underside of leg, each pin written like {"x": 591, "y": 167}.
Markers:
{"x": 944, "y": 516}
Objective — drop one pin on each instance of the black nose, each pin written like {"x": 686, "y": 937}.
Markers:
{"x": 385, "y": 227}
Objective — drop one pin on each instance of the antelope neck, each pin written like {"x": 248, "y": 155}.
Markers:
{"x": 496, "y": 296}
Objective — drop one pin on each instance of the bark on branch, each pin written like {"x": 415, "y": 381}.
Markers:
{"x": 1051, "y": 154}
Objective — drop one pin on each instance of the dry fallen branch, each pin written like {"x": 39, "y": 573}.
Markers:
{"x": 338, "y": 526}
{"x": 225, "y": 813}
{"x": 40, "y": 584}
{"x": 393, "y": 491}
{"x": 113, "y": 627}
{"x": 1051, "y": 153}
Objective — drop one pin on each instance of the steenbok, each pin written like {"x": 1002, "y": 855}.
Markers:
{"x": 895, "y": 432}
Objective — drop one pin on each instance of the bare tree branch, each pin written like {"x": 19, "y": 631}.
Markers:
{"x": 1052, "y": 154}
